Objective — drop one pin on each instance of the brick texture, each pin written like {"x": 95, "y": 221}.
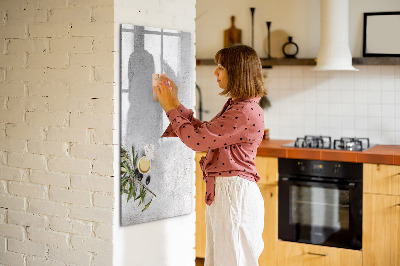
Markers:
{"x": 56, "y": 125}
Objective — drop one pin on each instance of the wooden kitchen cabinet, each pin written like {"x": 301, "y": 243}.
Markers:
{"x": 270, "y": 233}
{"x": 299, "y": 254}
{"x": 381, "y": 215}
{"x": 267, "y": 168}
{"x": 381, "y": 224}
{"x": 381, "y": 179}
{"x": 200, "y": 209}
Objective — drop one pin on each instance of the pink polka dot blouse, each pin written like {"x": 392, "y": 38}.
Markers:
{"x": 231, "y": 139}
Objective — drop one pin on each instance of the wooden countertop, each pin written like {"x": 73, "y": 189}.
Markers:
{"x": 379, "y": 154}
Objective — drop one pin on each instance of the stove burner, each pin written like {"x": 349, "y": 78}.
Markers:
{"x": 351, "y": 144}
{"x": 308, "y": 141}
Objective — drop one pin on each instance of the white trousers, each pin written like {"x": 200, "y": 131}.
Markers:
{"x": 234, "y": 223}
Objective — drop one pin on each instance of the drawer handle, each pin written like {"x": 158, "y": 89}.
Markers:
{"x": 318, "y": 254}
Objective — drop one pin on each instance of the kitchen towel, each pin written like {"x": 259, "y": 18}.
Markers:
{"x": 234, "y": 223}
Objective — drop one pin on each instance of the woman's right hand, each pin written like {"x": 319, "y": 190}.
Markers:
{"x": 174, "y": 90}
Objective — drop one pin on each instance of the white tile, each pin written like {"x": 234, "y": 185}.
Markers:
{"x": 388, "y": 124}
{"x": 397, "y": 84}
{"x": 322, "y": 96}
{"x": 335, "y": 95}
{"x": 286, "y": 132}
{"x": 397, "y": 134}
{"x": 361, "y": 110}
{"x": 348, "y": 123}
{"x": 335, "y": 122}
{"x": 374, "y": 70}
{"x": 298, "y": 108}
{"x": 361, "y": 123}
{"x": 397, "y": 123}
{"x": 348, "y": 132}
{"x": 347, "y": 109}
{"x": 321, "y": 74}
{"x": 298, "y": 120}
{"x": 310, "y": 95}
{"x": 374, "y": 97}
{"x": 321, "y": 83}
{"x": 322, "y": 109}
{"x": 361, "y": 133}
{"x": 374, "y": 123}
{"x": 361, "y": 97}
{"x": 348, "y": 96}
{"x": 387, "y": 72}
{"x": 296, "y": 71}
{"x": 374, "y": 110}
{"x": 310, "y": 108}
{"x": 297, "y": 83}
{"x": 286, "y": 120}
{"x": 334, "y": 81}
{"x": 285, "y": 71}
{"x": 388, "y": 97}
{"x": 388, "y": 110}
{"x": 388, "y": 137}
{"x": 334, "y": 109}
{"x": 388, "y": 84}
{"x": 285, "y": 83}
{"x": 375, "y": 136}
{"x": 397, "y": 72}
{"x": 322, "y": 121}
{"x": 308, "y": 72}
{"x": 374, "y": 83}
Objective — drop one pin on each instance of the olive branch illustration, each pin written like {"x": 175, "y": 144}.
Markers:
{"x": 131, "y": 179}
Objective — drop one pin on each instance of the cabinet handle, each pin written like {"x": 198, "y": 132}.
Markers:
{"x": 318, "y": 254}
{"x": 398, "y": 204}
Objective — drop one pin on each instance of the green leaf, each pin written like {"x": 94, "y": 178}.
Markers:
{"x": 130, "y": 192}
{"x": 147, "y": 205}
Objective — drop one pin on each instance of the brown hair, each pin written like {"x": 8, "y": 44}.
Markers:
{"x": 245, "y": 78}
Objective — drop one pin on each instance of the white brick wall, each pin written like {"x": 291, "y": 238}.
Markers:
{"x": 56, "y": 127}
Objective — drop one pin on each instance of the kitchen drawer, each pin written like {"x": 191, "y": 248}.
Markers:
{"x": 293, "y": 254}
{"x": 381, "y": 179}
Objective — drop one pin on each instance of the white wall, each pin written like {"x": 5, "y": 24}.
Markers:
{"x": 338, "y": 104}
{"x": 299, "y": 18}
{"x": 170, "y": 241}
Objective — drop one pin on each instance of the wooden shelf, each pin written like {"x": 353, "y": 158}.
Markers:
{"x": 312, "y": 61}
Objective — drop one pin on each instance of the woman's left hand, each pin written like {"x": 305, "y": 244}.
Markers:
{"x": 164, "y": 94}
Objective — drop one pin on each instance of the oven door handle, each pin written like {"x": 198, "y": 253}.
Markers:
{"x": 297, "y": 181}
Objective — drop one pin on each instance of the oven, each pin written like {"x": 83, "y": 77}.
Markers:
{"x": 320, "y": 202}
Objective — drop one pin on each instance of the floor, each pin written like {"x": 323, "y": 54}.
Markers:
{"x": 199, "y": 262}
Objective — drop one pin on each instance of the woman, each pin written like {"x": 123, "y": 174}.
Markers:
{"x": 235, "y": 207}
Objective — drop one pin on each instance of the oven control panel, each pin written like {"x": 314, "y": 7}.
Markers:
{"x": 331, "y": 169}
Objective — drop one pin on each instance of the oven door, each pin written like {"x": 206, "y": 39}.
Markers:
{"x": 315, "y": 211}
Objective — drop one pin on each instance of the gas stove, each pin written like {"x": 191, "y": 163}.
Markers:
{"x": 325, "y": 142}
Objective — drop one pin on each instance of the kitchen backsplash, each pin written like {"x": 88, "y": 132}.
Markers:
{"x": 337, "y": 104}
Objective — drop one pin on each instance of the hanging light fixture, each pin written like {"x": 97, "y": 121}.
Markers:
{"x": 334, "y": 51}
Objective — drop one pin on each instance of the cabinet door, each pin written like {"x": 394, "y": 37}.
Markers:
{"x": 298, "y": 254}
{"x": 200, "y": 209}
{"x": 381, "y": 230}
{"x": 267, "y": 168}
{"x": 381, "y": 179}
{"x": 270, "y": 233}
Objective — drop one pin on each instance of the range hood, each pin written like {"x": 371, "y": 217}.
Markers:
{"x": 334, "y": 51}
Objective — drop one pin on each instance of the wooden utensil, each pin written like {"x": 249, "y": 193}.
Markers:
{"x": 232, "y": 35}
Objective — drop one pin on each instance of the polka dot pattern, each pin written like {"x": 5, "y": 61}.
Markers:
{"x": 231, "y": 139}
